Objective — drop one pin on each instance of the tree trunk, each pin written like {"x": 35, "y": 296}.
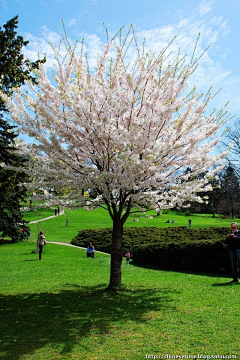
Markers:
{"x": 116, "y": 254}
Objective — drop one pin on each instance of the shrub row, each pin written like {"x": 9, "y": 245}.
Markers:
{"x": 178, "y": 248}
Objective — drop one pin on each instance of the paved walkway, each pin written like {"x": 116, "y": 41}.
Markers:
{"x": 61, "y": 243}
{"x": 79, "y": 247}
{"x": 50, "y": 217}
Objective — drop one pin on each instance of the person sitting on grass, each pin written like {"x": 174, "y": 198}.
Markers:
{"x": 90, "y": 250}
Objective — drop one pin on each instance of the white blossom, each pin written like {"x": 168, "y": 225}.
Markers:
{"x": 130, "y": 135}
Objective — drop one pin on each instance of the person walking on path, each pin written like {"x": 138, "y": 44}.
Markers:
{"x": 189, "y": 223}
{"x": 233, "y": 242}
{"x": 41, "y": 243}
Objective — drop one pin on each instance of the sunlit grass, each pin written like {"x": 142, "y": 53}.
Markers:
{"x": 76, "y": 220}
{"x": 58, "y": 309}
{"x": 38, "y": 214}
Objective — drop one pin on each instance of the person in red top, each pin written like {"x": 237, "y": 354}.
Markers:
{"x": 127, "y": 256}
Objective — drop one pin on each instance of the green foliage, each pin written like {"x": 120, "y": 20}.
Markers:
{"x": 178, "y": 248}
{"x": 14, "y": 71}
{"x": 12, "y": 192}
{"x": 187, "y": 213}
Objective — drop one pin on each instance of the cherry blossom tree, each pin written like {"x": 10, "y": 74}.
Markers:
{"x": 127, "y": 131}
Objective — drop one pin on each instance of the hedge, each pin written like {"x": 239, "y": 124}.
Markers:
{"x": 178, "y": 248}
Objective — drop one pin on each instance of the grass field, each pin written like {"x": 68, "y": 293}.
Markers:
{"x": 39, "y": 214}
{"x": 56, "y": 229}
{"x": 58, "y": 309}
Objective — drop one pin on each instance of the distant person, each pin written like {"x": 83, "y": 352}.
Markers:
{"x": 167, "y": 221}
{"x": 21, "y": 234}
{"x": 173, "y": 221}
{"x": 189, "y": 223}
{"x": 127, "y": 256}
{"x": 55, "y": 212}
{"x": 58, "y": 210}
{"x": 233, "y": 242}
{"x": 41, "y": 243}
{"x": 90, "y": 250}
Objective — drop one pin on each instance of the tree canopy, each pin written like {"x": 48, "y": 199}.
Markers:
{"x": 126, "y": 132}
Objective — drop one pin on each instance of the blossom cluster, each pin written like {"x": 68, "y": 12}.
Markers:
{"x": 130, "y": 135}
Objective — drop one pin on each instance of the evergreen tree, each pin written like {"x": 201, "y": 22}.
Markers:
{"x": 14, "y": 71}
{"x": 12, "y": 192}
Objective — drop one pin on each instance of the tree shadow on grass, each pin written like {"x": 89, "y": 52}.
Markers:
{"x": 228, "y": 283}
{"x": 32, "y": 321}
{"x": 226, "y": 274}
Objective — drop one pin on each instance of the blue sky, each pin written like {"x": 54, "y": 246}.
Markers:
{"x": 40, "y": 21}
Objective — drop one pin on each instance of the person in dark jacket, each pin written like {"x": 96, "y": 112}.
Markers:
{"x": 41, "y": 242}
{"x": 233, "y": 242}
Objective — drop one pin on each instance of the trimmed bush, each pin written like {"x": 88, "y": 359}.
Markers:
{"x": 178, "y": 248}
{"x": 200, "y": 256}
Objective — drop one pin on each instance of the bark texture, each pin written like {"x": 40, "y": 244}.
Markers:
{"x": 116, "y": 254}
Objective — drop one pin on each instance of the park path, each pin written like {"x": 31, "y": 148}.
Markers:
{"x": 49, "y": 217}
{"x": 79, "y": 247}
{"x": 61, "y": 243}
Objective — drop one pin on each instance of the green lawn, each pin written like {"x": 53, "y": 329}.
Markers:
{"x": 56, "y": 229}
{"x": 39, "y": 214}
{"x": 57, "y": 309}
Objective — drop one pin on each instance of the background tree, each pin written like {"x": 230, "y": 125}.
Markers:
{"x": 14, "y": 71}
{"x": 232, "y": 136}
{"x": 224, "y": 199}
{"x": 210, "y": 199}
{"x": 229, "y": 203}
{"x": 211, "y": 206}
{"x": 127, "y": 131}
